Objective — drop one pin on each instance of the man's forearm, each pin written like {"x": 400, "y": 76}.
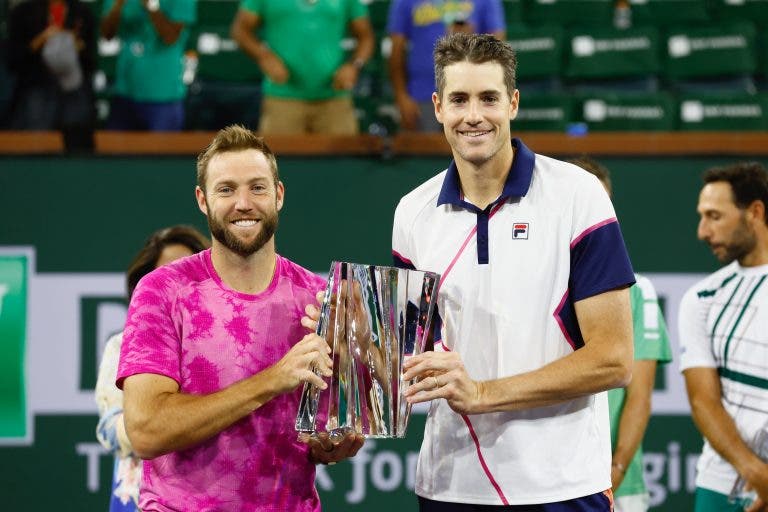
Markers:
{"x": 168, "y": 31}
{"x": 581, "y": 373}
{"x": 397, "y": 73}
{"x": 636, "y": 412}
{"x": 173, "y": 421}
{"x": 718, "y": 427}
{"x": 111, "y": 21}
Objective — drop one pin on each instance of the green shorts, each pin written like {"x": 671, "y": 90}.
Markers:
{"x": 711, "y": 501}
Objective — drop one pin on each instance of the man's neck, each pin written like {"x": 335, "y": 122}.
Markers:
{"x": 482, "y": 184}
{"x": 246, "y": 274}
{"x": 758, "y": 256}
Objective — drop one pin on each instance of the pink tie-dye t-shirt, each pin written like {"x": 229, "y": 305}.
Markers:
{"x": 184, "y": 323}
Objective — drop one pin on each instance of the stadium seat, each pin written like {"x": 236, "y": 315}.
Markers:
{"x": 711, "y": 112}
{"x": 609, "y": 59}
{"x": 513, "y": 12}
{"x": 378, "y": 11}
{"x": 539, "y": 50}
{"x": 544, "y": 112}
{"x": 711, "y": 50}
{"x": 627, "y": 112}
{"x": 219, "y": 57}
{"x": 752, "y": 10}
{"x": 216, "y": 12}
{"x": 214, "y": 105}
{"x": 585, "y": 12}
{"x": 669, "y": 12}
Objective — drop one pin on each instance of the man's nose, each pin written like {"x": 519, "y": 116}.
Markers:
{"x": 473, "y": 114}
{"x": 702, "y": 231}
{"x": 243, "y": 199}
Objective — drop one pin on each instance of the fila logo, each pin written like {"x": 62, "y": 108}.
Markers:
{"x": 520, "y": 231}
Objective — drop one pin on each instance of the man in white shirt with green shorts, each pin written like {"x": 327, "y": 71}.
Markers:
{"x": 723, "y": 324}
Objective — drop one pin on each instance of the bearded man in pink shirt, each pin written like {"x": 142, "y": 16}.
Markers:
{"x": 215, "y": 349}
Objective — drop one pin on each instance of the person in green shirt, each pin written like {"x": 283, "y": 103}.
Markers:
{"x": 149, "y": 89}
{"x": 307, "y": 78}
{"x": 630, "y": 407}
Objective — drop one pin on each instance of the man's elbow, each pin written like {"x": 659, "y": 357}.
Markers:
{"x": 146, "y": 443}
{"x": 621, "y": 367}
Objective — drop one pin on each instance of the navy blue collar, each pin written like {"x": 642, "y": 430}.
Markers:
{"x": 517, "y": 183}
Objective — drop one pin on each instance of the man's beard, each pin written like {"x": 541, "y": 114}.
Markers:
{"x": 220, "y": 232}
{"x": 742, "y": 243}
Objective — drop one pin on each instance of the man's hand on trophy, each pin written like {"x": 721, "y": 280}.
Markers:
{"x": 324, "y": 449}
{"x": 442, "y": 375}
{"x": 312, "y": 313}
{"x": 307, "y": 361}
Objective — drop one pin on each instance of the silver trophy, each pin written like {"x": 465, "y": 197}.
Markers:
{"x": 759, "y": 445}
{"x": 373, "y": 318}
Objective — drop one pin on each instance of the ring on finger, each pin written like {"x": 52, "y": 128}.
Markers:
{"x": 437, "y": 382}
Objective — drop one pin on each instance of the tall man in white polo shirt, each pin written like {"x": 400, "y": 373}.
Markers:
{"x": 533, "y": 300}
{"x": 723, "y": 324}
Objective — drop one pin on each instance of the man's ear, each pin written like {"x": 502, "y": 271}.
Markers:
{"x": 280, "y": 189}
{"x": 200, "y": 196}
{"x": 756, "y": 211}
{"x": 438, "y": 107}
{"x": 514, "y": 104}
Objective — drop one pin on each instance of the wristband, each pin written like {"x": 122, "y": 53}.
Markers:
{"x": 358, "y": 63}
{"x": 153, "y": 5}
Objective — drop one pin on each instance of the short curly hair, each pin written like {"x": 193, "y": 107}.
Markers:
{"x": 748, "y": 180}
{"x": 477, "y": 49}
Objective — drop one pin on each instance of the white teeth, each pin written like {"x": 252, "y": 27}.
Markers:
{"x": 474, "y": 134}
{"x": 245, "y": 223}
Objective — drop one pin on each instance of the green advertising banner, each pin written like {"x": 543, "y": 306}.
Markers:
{"x": 13, "y": 329}
{"x": 62, "y": 295}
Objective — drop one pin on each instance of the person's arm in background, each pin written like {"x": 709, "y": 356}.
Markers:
{"x": 110, "y": 22}
{"x": 110, "y": 430}
{"x": 717, "y": 426}
{"x": 167, "y": 29}
{"x": 652, "y": 347}
{"x": 634, "y": 418}
{"x": 242, "y": 31}
{"x": 493, "y": 21}
{"x": 346, "y": 75}
{"x": 397, "y": 26}
{"x": 406, "y": 105}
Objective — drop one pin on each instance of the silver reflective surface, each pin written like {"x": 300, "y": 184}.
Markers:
{"x": 374, "y": 318}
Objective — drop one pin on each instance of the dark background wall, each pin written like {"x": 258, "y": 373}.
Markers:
{"x": 89, "y": 215}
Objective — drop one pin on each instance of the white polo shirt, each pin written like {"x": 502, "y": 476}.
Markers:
{"x": 723, "y": 322}
{"x": 509, "y": 277}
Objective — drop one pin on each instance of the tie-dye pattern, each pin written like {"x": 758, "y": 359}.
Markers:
{"x": 184, "y": 323}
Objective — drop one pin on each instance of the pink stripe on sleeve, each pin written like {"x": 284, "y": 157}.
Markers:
{"x": 591, "y": 229}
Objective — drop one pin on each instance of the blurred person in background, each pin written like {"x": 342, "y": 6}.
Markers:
{"x": 149, "y": 90}
{"x": 163, "y": 247}
{"x": 308, "y": 80}
{"x": 630, "y": 407}
{"x": 414, "y": 27}
{"x": 723, "y": 322}
{"x": 52, "y": 52}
